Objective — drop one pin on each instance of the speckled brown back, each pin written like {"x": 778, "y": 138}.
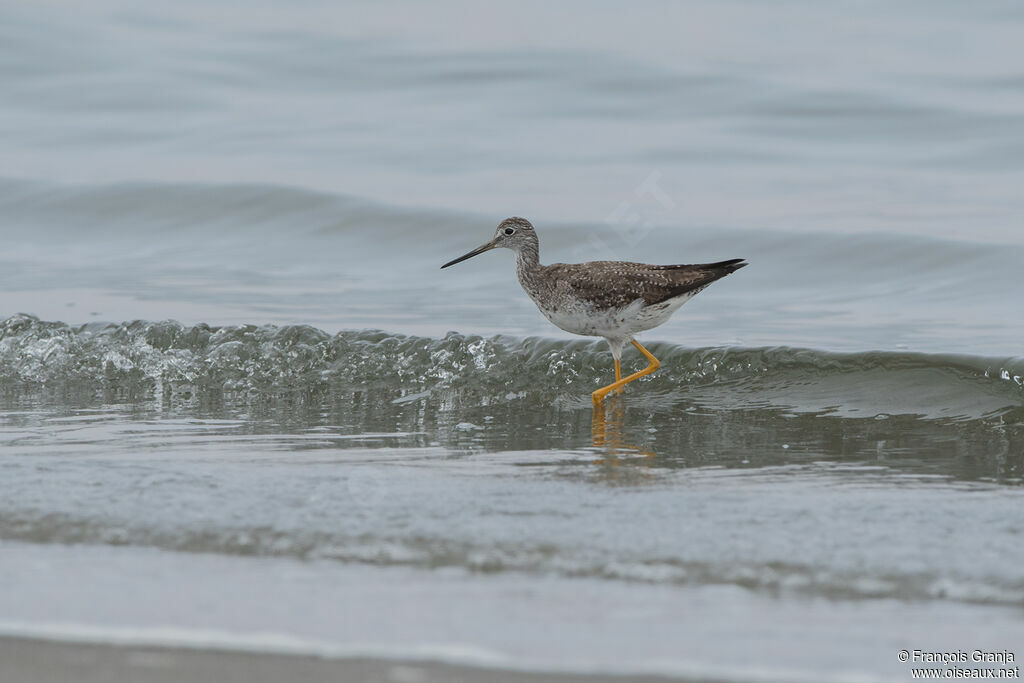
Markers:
{"x": 618, "y": 283}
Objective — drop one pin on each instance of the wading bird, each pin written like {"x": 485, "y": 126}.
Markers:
{"x": 610, "y": 299}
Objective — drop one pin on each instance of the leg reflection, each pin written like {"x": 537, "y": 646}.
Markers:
{"x": 606, "y": 429}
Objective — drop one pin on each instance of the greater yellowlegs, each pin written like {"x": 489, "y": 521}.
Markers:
{"x": 610, "y": 299}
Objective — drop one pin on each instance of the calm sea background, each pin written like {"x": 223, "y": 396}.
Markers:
{"x": 241, "y": 406}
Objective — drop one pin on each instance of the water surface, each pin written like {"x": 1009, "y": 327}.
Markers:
{"x": 240, "y": 405}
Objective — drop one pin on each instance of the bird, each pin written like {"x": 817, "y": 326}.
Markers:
{"x": 611, "y": 299}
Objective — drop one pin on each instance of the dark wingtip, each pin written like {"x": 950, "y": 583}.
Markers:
{"x": 730, "y": 266}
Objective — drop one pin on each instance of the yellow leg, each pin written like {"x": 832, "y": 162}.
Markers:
{"x": 618, "y": 375}
{"x": 599, "y": 395}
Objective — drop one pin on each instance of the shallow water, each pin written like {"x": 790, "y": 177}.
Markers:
{"x": 226, "y": 357}
{"x": 770, "y": 484}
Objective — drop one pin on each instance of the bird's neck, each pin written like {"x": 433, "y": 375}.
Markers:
{"x": 527, "y": 259}
{"x": 528, "y": 269}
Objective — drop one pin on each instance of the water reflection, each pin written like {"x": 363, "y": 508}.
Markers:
{"x": 708, "y": 427}
{"x": 607, "y": 429}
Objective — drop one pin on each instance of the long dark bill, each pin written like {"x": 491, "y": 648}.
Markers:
{"x": 478, "y": 250}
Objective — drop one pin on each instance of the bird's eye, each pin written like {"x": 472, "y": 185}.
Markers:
{"x": 509, "y": 231}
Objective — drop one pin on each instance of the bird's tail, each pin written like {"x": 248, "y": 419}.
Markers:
{"x": 726, "y": 267}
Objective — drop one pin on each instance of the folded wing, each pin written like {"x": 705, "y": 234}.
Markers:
{"x": 608, "y": 284}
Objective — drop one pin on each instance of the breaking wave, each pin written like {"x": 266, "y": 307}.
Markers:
{"x": 161, "y": 355}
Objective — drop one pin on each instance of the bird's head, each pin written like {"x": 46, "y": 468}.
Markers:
{"x": 512, "y": 233}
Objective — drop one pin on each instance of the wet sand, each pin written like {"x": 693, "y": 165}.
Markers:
{"x": 24, "y": 660}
